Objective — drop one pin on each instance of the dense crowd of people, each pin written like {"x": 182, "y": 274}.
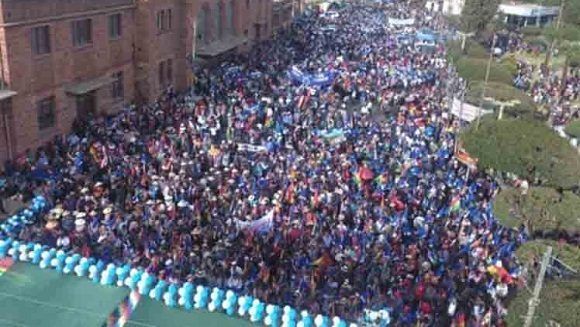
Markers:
{"x": 334, "y": 198}
{"x": 547, "y": 88}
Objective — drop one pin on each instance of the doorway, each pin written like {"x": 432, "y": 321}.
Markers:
{"x": 86, "y": 105}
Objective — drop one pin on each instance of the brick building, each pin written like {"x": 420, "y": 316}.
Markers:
{"x": 59, "y": 60}
{"x": 63, "y": 59}
{"x": 283, "y": 11}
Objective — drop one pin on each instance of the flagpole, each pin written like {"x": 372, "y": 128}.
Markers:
{"x": 486, "y": 80}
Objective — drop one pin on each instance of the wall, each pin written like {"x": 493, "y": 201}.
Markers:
{"x": 35, "y": 77}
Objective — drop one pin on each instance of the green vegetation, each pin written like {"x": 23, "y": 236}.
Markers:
{"x": 560, "y": 303}
{"x": 504, "y": 93}
{"x": 472, "y": 50}
{"x": 542, "y": 208}
{"x": 573, "y": 128}
{"x": 477, "y": 14}
{"x": 569, "y": 254}
{"x": 474, "y": 69}
{"x": 526, "y": 148}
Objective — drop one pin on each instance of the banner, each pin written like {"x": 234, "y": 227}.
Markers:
{"x": 262, "y": 225}
{"x": 467, "y": 112}
{"x": 335, "y": 136}
{"x": 251, "y": 148}
{"x": 320, "y": 79}
{"x": 401, "y": 22}
{"x": 426, "y": 36}
{"x": 465, "y": 158}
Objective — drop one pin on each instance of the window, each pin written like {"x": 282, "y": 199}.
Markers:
{"x": 118, "y": 90}
{"x": 218, "y": 21}
{"x": 82, "y": 32}
{"x": 169, "y": 67}
{"x": 41, "y": 40}
{"x": 169, "y": 19}
{"x": 160, "y": 19}
{"x": 201, "y": 26}
{"x": 166, "y": 73}
{"x": 230, "y": 18}
{"x": 115, "y": 29}
{"x": 164, "y": 20}
{"x": 46, "y": 113}
{"x": 162, "y": 73}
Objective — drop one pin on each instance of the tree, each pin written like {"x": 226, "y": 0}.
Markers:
{"x": 477, "y": 14}
{"x": 567, "y": 39}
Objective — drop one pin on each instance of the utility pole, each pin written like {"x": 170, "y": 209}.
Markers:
{"x": 558, "y": 23}
{"x": 464, "y": 37}
{"x": 486, "y": 80}
{"x": 535, "y": 300}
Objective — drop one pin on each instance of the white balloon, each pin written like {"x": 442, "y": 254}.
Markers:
{"x": 318, "y": 320}
{"x": 267, "y": 321}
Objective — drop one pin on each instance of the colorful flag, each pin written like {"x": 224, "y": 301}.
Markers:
{"x": 455, "y": 203}
{"x": 5, "y": 264}
{"x": 121, "y": 315}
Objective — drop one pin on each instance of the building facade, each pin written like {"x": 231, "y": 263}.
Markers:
{"x": 522, "y": 15}
{"x": 61, "y": 60}
{"x": 446, "y": 7}
{"x": 67, "y": 60}
{"x": 283, "y": 12}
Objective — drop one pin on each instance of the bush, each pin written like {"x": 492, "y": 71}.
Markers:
{"x": 544, "y": 208}
{"x": 573, "y": 128}
{"x": 558, "y": 303}
{"x": 504, "y": 93}
{"x": 569, "y": 254}
{"x": 539, "y": 42}
{"x": 532, "y": 31}
{"x": 526, "y": 148}
{"x": 510, "y": 61}
{"x": 473, "y": 69}
{"x": 472, "y": 50}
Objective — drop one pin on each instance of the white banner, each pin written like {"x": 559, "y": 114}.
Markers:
{"x": 467, "y": 112}
{"x": 251, "y": 148}
{"x": 401, "y": 22}
{"x": 261, "y": 225}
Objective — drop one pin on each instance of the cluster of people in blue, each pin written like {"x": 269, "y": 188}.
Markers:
{"x": 338, "y": 198}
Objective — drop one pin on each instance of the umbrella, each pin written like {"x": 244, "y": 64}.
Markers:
{"x": 366, "y": 174}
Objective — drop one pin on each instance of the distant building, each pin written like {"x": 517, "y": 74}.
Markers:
{"x": 446, "y": 7}
{"x": 283, "y": 11}
{"x": 61, "y": 60}
{"x": 522, "y": 15}
{"x": 67, "y": 60}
